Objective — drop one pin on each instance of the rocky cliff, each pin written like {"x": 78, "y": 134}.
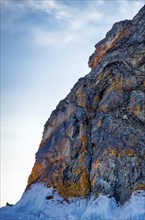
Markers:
{"x": 94, "y": 142}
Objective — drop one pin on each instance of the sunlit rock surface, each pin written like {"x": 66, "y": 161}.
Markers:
{"x": 94, "y": 142}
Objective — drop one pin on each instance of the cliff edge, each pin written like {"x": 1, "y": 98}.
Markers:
{"x": 94, "y": 142}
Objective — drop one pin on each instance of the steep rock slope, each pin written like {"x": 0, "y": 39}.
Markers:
{"x": 94, "y": 142}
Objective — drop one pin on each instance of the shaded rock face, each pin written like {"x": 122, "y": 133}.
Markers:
{"x": 94, "y": 142}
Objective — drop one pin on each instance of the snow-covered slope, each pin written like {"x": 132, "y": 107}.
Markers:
{"x": 41, "y": 203}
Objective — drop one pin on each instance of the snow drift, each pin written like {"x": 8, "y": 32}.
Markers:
{"x": 40, "y": 203}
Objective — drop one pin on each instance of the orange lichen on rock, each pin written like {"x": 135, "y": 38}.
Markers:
{"x": 84, "y": 139}
{"x": 137, "y": 110}
{"x": 103, "y": 108}
{"x": 128, "y": 85}
{"x": 113, "y": 152}
{"x": 139, "y": 186}
{"x": 126, "y": 152}
{"x": 96, "y": 165}
{"x": 95, "y": 102}
{"x": 118, "y": 84}
{"x": 134, "y": 109}
{"x": 120, "y": 152}
{"x": 81, "y": 96}
{"x": 102, "y": 49}
{"x": 79, "y": 188}
{"x": 120, "y": 155}
{"x": 35, "y": 174}
{"x": 66, "y": 188}
{"x": 94, "y": 179}
{"x": 129, "y": 152}
{"x": 99, "y": 123}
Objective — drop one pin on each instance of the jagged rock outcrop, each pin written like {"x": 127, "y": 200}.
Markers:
{"x": 94, "y": 142}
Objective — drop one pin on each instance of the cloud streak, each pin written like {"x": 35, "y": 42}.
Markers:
{"x": 57, "y": 9}
{"x": 72, "y": 24}
{"x": 64, "y": 24}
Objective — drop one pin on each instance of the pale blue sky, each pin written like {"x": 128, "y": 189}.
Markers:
{"x": 45, "y": 47}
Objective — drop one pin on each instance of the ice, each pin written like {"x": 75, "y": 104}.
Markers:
{"x": 34, "y": 206}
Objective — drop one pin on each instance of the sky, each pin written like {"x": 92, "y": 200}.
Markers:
{"x": 45, "y": 46}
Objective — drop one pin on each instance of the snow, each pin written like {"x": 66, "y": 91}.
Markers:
{"x": 34, "y": 206}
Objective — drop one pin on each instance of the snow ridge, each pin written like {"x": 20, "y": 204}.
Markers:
{"x": 41, "y": 203}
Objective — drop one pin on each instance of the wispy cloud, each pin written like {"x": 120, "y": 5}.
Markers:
{"x": 43, "y": 38}
{"x": 64, "y": 24}
{"x": 57, "y": 9}
{"x": 73, "y": 28}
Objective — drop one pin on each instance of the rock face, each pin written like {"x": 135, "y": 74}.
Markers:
{"x": 94, "y": 142}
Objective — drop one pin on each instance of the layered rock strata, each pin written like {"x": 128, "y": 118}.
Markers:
{"x": 94, "y": 142}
